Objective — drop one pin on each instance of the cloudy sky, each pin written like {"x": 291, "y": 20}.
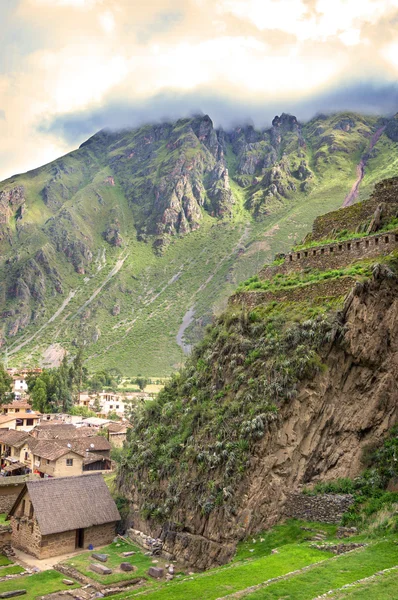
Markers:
{"x": 70, "y": 67}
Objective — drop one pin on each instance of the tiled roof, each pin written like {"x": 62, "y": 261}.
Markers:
{"x": 14, "y": 438}
{"x": 68, "y": 503}
{"x": 51, "y": 450}
{"x": 96, "y": 443}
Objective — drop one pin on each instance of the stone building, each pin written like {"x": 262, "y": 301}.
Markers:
{"x": 51, "y": 517}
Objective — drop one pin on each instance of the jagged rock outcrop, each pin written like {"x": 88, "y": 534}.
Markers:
{"x": 319, "y": 434}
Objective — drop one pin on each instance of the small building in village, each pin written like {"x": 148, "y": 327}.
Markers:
{"x": 18, "y": 406}
{"x": 15, "y": 458}
{"x": 117, "y": 433}
{"x": 21, "y": 421}
{"x": 53, "y": 460}
{"x": 51, "y": 517}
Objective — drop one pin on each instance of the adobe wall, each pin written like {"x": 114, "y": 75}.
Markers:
{"x": 332, "y": 288}
{"x": 325, "y": 508}
{"x": 26, "y": 535}
{"x": 334, "y": 256}
{"x": 385, "y": 192}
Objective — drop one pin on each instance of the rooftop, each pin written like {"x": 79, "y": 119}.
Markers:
{"x": 68, "y": 503}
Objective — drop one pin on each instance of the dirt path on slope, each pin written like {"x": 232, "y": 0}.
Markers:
{"x": 353, "y": 193}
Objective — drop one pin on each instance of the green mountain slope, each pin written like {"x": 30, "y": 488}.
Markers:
{"x": 131, "y": 243}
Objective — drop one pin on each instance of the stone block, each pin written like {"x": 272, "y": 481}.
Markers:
{"x": 155, "y": 572}
{"x": 12, "y": 593}
{"x": 68, "y": 582}
{"x": 100, "y": 569}
{"x": 128, "y": 553}
{"x": 126, "y": 566}
{"x": 100, "y": 557}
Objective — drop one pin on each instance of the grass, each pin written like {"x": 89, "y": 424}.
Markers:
{"x": 333, "y": 574}
{"x": 286, "y": 533}
{"x": 13, "y": 570}
{"x": 39, "y": 584}
{"x": 383, "y": 587}
{"x": 219, "y": 582}
{"x": 3, "y": 518}
{"x": 4, "y": 560}
{"x": 139, "y": 560}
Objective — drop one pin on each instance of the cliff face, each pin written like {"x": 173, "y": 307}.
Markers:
{"x": 320, "y": 434}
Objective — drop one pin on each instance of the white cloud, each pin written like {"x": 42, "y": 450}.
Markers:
{"x": 107, "y": 21}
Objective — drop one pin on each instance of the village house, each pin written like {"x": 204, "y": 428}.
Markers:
{"x": 22, "y": 421}
{"x": 15, "y": 457}
{"x": 19, "y": 387}
{"x": 117, "y": 433}
{"x": 53, "y": 460}
{"x": 51, "y": 517}
{"x": 16, "y": 407}
{"x": 85, "y": 399}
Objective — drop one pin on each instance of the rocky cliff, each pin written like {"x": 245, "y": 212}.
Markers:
{"x": 278, "y": 396}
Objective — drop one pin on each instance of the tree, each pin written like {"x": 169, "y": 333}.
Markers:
{"x": 113, "y": 416}
{"x": 142, "y": 382}
{"x": 39, "y": 395}
{"x": 97, "y": 405}
{"x": 5, "y": 385}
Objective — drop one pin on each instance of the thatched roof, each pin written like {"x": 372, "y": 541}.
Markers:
{"x": 68, "y": 503}
{"x": 14, "y": 438}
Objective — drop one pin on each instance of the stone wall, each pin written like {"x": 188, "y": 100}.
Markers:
{"x": 57, "y": 544}
{"x": 334, "y": 256}
{"x": 326, "y": 508}
{"x": 5, "y": 537}
{"x": 26, "y": 535}
{"x": 312, "y": 291}
{"x": 99, "y": 535}
{"x": 8, "y": 495}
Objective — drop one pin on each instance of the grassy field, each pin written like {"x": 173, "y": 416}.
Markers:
{"x": 3, "y": 517}
{"x": 333, "y": 574}
{"x": 37, "y": 585}
{"x": 223, "y": 581}
{"x": 139, "y": 560}
{"x": 382, "y": 587}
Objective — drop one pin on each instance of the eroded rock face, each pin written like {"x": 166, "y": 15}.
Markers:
{"x": 319, "y": 435}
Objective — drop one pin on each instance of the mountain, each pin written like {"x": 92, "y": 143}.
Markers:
{"x": 131, "y": 243}
{"x": 293, "y": 385}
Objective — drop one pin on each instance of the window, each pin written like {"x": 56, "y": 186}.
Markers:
{"x": 48, "y": 462}
{"x": 17, "y": 410}
{"x": 26, "y": 455}
{"x": 111, "y": 406}
{"x": 29, "y": 422}
{"x": 69, "y": 462}
{"x": 23, "y": 507}
{"x": 31, "y": 511}
{"x": 117, "y": 406}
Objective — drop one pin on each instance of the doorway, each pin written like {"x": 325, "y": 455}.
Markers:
{"x": 79, "y": 538}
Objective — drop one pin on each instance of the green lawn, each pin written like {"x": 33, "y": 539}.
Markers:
{"x": 4, "y": 560}
{"x": 226, "y": 580}
{"x": 292, "y": 531}
{"x": 13, "y": 570}
{"x": 3, "y": 517}
{"x": 332, "y": 575}
{"x": 36, "y": 585}
{"x": 82, "y": 562}
{"x": 383, "y": 587}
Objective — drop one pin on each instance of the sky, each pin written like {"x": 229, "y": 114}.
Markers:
{"x": 70, "y": 67}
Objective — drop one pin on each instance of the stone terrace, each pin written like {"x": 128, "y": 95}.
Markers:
{"x": 336, "y": 255}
